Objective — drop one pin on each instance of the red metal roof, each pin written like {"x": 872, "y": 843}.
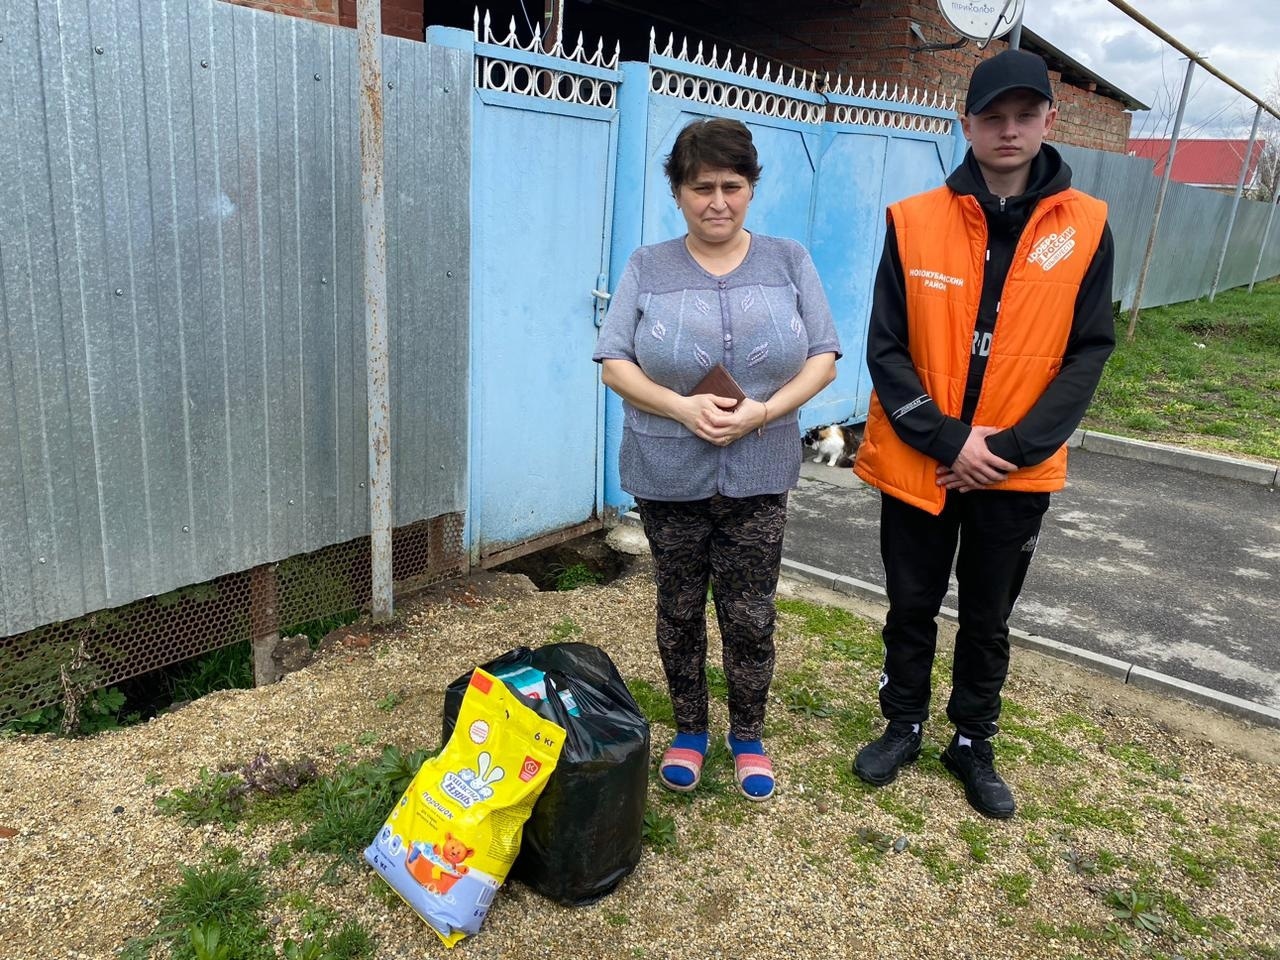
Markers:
{"x": 1205, "y": 163}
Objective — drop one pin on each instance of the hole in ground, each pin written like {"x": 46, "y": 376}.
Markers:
{"x": 574, "y": 563}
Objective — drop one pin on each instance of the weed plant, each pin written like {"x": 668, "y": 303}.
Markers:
{"x": 659, "y": 829}
{"x": 574, "y": 575}
{"x": 102, "y": 709}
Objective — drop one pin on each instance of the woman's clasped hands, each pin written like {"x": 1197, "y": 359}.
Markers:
{"x": 714, "y": 420}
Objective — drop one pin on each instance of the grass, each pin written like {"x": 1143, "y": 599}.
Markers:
{"x": 1148, "y": 897}
{"x": 1139, "y": 758}
{"x": 1084, "y": 785}
{"x": 1017, "y": 887}
{"x": 653, "y": 702}
{"x": 564, "y": 630}
{"x": 215, "y": 909}
{"x": 1200, "y": 374}
{"x": 215, "y": 912}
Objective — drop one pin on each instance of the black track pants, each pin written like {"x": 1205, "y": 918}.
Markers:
{"x": 996, "y": 532}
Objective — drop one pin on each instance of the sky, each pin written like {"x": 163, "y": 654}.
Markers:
{"x": 1241, "y": 38}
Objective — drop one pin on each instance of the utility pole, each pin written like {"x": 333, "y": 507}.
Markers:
{"x": 1155, "y": 217}
{"x": 1266, "y": 235}
{"x": 1235, "y": 204}
{"x": 369, "y": 52}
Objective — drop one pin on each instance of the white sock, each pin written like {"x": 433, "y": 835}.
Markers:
{"x": 963, "y": 741}
{"x": 915, "y": 728}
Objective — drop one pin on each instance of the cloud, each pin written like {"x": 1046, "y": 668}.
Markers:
{"x": 1131, "y": 47}
{"x": 1241, "y": 45}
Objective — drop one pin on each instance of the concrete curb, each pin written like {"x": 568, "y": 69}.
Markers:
{"x": 1129, "y": 673}
{"x": 1167, "y": 455}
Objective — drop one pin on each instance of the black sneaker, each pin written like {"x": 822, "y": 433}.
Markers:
{"x": 878, "y": 762}
{"x": 974, "y": 766}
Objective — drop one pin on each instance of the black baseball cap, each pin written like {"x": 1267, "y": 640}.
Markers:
{"x": 1009, "y": 70}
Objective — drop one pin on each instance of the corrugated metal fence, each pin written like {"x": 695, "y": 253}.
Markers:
{"x": 182, "y": 386}
{"x": 1192, "y": 227}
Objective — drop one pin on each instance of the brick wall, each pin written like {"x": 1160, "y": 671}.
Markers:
{"x": 400, "y": 18}
{"x": 872, "y": 40}
{"x": 326, "y": 11}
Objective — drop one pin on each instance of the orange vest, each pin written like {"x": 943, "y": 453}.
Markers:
{"x": 942, "y": 243}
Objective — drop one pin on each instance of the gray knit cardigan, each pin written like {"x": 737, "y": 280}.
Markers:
{"x": 675, "y": 320}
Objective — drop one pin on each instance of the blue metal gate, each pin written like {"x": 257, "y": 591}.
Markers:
{"x": 833, "y": 157}
{"x": 544, "y": 148}
{"x": 878, "y": 147}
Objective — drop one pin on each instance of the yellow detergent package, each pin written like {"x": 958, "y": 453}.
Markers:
{"x": 448, "y": 844}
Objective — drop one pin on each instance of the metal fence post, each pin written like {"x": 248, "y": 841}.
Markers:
{"x": 1235, "y": 204}
{"x": 1266, "y": 235}
{"x": 1164, "y": 188}
{"x": 369, "y": 52}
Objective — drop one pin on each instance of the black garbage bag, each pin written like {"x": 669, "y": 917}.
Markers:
{"x": 585, "y": 832}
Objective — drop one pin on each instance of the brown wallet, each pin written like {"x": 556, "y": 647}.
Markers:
{"x": 719, "y": 382}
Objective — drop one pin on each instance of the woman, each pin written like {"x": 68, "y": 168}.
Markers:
{"x": 710, "y": 475}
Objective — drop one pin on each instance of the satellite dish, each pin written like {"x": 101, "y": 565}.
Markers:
{"x": 982, "y": 20}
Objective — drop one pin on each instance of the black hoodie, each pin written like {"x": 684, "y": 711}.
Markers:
{"x": 1052, "y": 419}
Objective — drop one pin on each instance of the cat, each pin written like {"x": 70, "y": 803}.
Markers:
{"x": 835, "y": 444}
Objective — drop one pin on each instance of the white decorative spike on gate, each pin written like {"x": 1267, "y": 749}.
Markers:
{"x": 540, "y": 79}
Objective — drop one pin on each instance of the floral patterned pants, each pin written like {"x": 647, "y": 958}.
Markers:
{"x": 735, "y": 543}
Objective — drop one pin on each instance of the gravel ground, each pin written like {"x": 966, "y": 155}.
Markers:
{"x": 85, "y": 855}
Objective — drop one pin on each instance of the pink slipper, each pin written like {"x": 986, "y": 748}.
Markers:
{"x": 751, "y": 765}
{"x": 685, "y": 759}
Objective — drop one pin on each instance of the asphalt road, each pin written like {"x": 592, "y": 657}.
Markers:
{"x": 1170, "y": 569}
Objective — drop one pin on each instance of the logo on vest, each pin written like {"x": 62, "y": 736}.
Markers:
{"x": 1053, "y": 249}
{"x": 935, "y": 280}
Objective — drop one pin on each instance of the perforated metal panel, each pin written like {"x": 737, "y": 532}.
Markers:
{"x": 63, "y": 662}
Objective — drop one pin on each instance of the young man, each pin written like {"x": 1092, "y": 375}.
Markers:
{"x": 990, "y": 325}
